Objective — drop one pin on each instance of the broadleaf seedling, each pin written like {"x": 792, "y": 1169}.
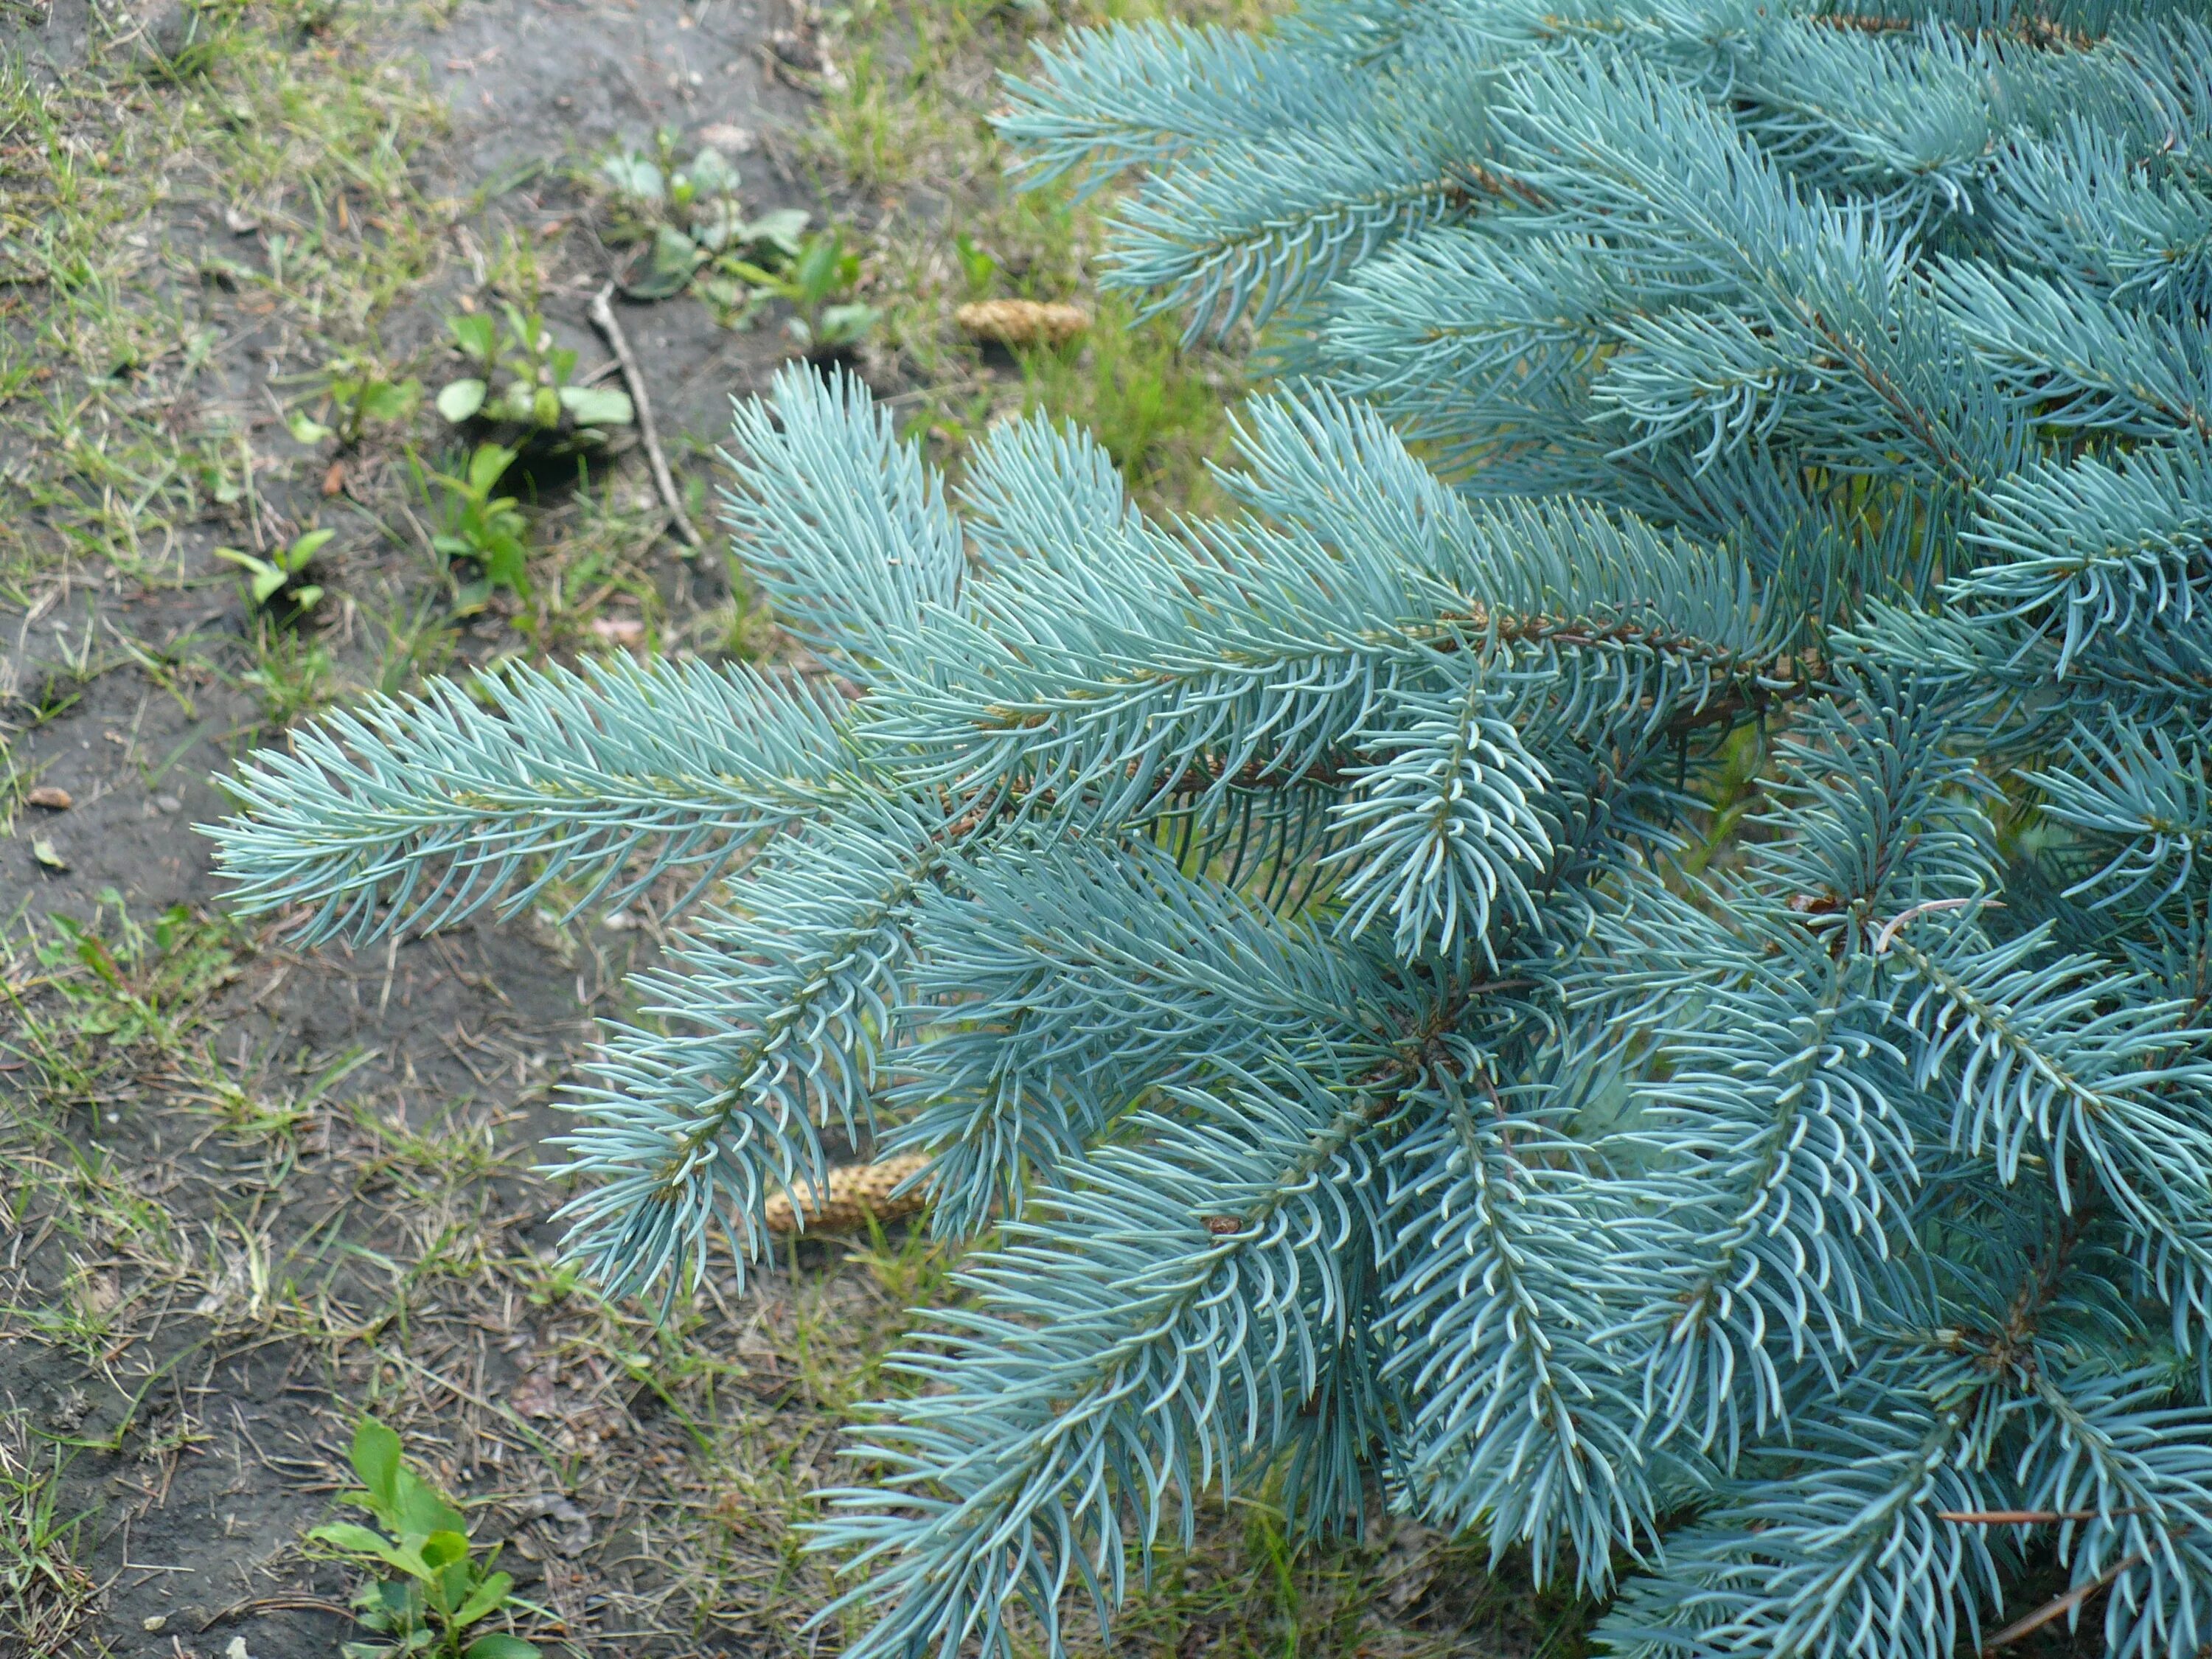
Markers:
{"x": 360, "y": 392}
{"x": 430, "y": 1585}
{"x": 693, "y": 225}
{"x": 824, "y": 269}
{"x": 519, "y": 379}
{"x": 277, "y": 574}
{"x": 477, "y": 528}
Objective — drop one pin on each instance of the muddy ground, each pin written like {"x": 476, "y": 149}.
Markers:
{"x": 253, "y": 1190}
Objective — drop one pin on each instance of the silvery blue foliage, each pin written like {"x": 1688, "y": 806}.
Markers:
{"x": 1328, "y": 953}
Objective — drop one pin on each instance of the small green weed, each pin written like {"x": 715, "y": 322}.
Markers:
{"x": 444, "y": 1588}
{"x": 524, "y": 382}
{"x": 134, "y": 984}
{"x": 692, "y": 219}
{"x": 360, "y": 393}
{"x": 484, "y": 541}
{"x": 277, "y": 576}
{"x": 293, "y": 674}
{"x": 823, "y": 269}
{"x": 44, "y": 1593}
{"x": 980, "y": 269}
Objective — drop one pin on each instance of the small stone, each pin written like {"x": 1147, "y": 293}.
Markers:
{"x": 795, "y": 47}
{"x": 52, "y": 797}
{"x": 575, "y": 1535}
{"x": 168, "y": 803}
{"x": 729, "y": 138}
{"x": 533, "y": 1394}
{"x": 154, "y": 1623}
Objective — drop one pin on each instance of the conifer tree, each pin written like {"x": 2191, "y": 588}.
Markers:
{"x": 1616, "y": 959}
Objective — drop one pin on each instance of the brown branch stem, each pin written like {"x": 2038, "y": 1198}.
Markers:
{"x": 603, "y": 319}
{"x": 2058, "y": 1607}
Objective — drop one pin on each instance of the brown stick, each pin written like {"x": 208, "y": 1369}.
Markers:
{"x": 603, "y": 319}
{"x": 2058, "y": 1607}
{"x": 275, "y": 1603}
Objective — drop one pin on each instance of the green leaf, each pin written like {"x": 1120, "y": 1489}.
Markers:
{"x": 307, "y": 547}
{"x": 635, "y": 177}
{"x": 95, "y": 954}
{"x": 349, "y": 1536}
{"x": 475, "y": 335}
{"x": 814, "y": 276}
{"x": 305, "y": 429}
{"x": 43, "y": 850}
{"x": 266, "y": 582}
{"x": 375, "y": 1458}
{"x": 391, "y": 400}
{"x": 781, "y": 229}
{"x": 457, "y": 400}
{"x": 506, "y": 563}
{"x": 239, "y": 555}
{"x": 486, "y": 467}
{"x": 545, "y": 406}
{"x": 673, "y": 253}
{"x": 306, "y": 598}
{"x": 842, "y": 325}
{"x": 710, "y": 174}
{"x": 170, "y": 926}
{"x": 675, "y": 257}
{"x": 499, "y": 1645}
{"x": 442, "y": 1548}
{"x": 721, "y": 224}
{"x": 487, "y": 1596}
{"x": 976, "y": 265}
{"x": 597, "y": 405}
{"x": 398, "y": 1600}
{"x": 360, "y": 1541}
{"x": 423, "y": 1513}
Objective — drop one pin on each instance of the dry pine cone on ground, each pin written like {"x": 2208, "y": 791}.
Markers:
{"x": 850, "y": 1196}
{"x": 1021, "y": 322}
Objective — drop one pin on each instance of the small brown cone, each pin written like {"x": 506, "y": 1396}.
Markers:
{"x": 1022, "y": 322}
{"x": 851, "y": 1196}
